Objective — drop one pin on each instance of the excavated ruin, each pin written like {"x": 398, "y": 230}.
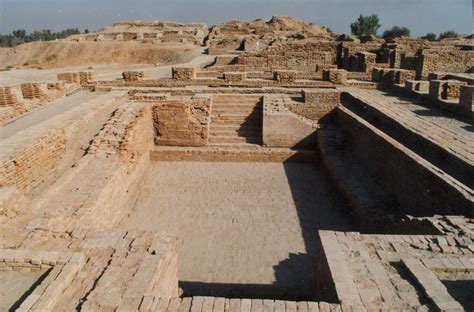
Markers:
{"x": 273, "y": 166}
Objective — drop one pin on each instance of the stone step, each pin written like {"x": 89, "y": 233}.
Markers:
{"x": 234, "y": 139}
{"x": 233, "y": 110}
{"x": 237, "y": 132}
{"x": 236, "y": 117}
{"x": 237, "y": 122}
{"x": 235, "y": 127}
{"x": 238, "y": 103}
{"x": 235, "y": 98}
{"x": 232, "y": 152}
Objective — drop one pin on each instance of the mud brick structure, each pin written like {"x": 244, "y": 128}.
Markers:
{"x": 182, "y": 123}
{"x": 34, "y": 90}
{"x": 285, "y": 75}
{"x": 445, "y": 89}
{"x": 78, "y": 77}
{"x": 466, "y": 100}
{"x": 337, "y": 76}
{"x": 184, "y": 73}
{"x": 10, "y": 96}
{"x": 235, "y": 76}
{"x": 281, "y": 168}
{"x": 133, "y": 76}
{"x": 417, "y": 85}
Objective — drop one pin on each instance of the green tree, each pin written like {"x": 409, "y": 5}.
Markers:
{"x": 448, "y": 34}
{"x": 20, "y": 33}
{"x": 396, "y": 31}
{"x": 366, "y": 25}
{"x": 430, "y": 37}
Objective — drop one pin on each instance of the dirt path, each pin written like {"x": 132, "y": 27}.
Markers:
{"x": 104, "y": 72}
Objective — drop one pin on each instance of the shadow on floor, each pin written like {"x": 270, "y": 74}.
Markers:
{"x": 319, "y": 206}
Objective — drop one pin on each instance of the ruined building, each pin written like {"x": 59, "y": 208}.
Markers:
{"x": 284, "y": 169}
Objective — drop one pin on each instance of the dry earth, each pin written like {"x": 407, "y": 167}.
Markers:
{"x": 55, "y": 54}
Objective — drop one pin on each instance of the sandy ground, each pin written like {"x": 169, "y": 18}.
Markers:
{"x": 13, "y": 285}
{"x": 241, "y": 223}
{"x": 104, "y": 71}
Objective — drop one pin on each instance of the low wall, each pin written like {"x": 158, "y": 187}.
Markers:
{"x": 419, "y": 188}
{"x": 38, "y": 160}
{"x": 182, "y": 122}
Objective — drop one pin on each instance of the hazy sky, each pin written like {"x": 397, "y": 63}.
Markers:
{"x": 421, "y": 16}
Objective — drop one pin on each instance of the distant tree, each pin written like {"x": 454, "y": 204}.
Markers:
{"x": 20, "y": 36}
{"x": 430, "y": 37}
{"x": 20, "y": 33}
{"x": 448, "y": 34}
{"x": 396, "y": 31}
{"x": 86, "y": 31}
{"x": 365, "y": 25}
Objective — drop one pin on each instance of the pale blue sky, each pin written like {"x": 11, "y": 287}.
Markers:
{"x": 421, "y": 16}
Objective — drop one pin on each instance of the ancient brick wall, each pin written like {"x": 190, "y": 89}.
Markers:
{"x": 34, "y": 90}
{"x": 18, "y": 100}
{"x": 317, "y": 103}
{"x": 285, "y": 76}
{"x": 445, "y": 89}
{"x": 338, "y": 76}
{"x": 83, "y": 78}
{"x": 29, "y": 167}
{"x": 184, "y": 73}
{"x": 419, "y": 190}
{"x": 417, "y": 85}
{"x": 388, "y": 77}
{"x": 41, "y": 159}
{"x": 126, "y": 136}
{"x": 235, "y": 76}
{"x": 11, "y": 103}
{"x": 134, "y": 76}
{"x": 466, "y": 100}
{"x": 443, "y": 61}
{"x": 182, "y": 123}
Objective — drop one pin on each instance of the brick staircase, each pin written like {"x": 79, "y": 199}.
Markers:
{"x": 236, "y": 120}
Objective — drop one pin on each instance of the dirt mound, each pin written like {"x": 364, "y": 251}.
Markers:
{"x": 278, "y": 25}
{"x": 64, "y": 53}
{"x": 286, "y": 23}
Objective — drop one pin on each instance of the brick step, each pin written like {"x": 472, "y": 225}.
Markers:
{"x": 232, "y": 110}
{"x": 237, "y": 98}
{"x": 237, "y": 122}
{"x": 238, "y": 117}
{"x": 239, "y": 104}
{"x": 232, "y": 152}
{"x": 237, "y": 132}
{"x": 234, "y": 139}
{"x": 235, "y": 127}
